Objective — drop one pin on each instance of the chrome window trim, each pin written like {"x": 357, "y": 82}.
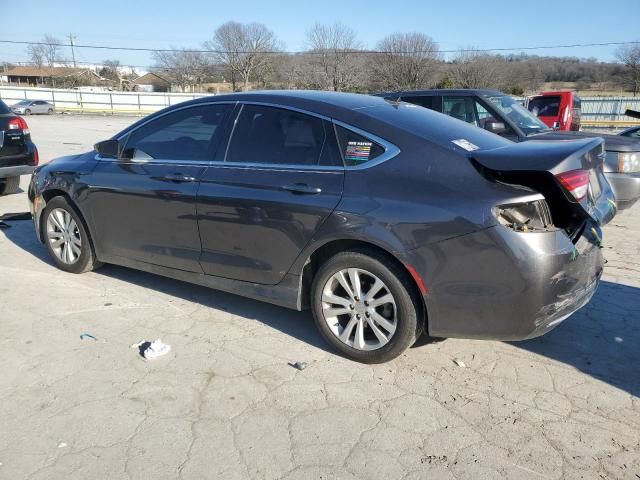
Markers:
{"x": 196, "y": 105}
{"x": 390, "y": 150}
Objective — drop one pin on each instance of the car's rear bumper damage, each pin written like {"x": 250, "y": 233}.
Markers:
{"x": 506, "y": 285}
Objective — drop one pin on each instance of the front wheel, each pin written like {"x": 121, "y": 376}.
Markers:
{"x": 27, "y": 112}
{"x": 364, "y": 306}
{"x": 66, "y": 237}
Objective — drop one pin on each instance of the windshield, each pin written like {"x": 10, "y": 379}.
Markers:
{"x": 3, "y": 108}
{"x": 23, "y": 102}
{"x": 523, "y": 118}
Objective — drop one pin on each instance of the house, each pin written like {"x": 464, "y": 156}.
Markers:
{"x": 151, "y": 82}
{"x": 52, "y": 76}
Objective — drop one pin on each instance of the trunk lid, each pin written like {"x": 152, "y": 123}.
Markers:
{"x": 541, "y": 166}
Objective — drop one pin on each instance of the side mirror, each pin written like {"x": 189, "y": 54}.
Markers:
{"x": 495, "y": 127}
{"x": 107, "y": 148}
{"x": 556, "y": 125}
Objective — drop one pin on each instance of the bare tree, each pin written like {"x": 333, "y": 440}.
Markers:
{"x": 472, "y": 69}
{"x": 51, "y": 49}
{"x": 186, "y": 68}
{"x": 630, "y": 56}
{"x": 245, "y": 49}
{"x": 406, "y": 61}
{"x": 36, "y": 54}
{"x": 334, "y": 49}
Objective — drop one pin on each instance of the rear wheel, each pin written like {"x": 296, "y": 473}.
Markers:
{"x": 364, "y": 306}
{"x": 50, "y": 111}
{"x": 67, "y": 238}
{"x": 9, "y": 185}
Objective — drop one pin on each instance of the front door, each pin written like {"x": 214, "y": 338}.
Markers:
{"x": 257, "y": 209}
{"x": 143, "y": 204}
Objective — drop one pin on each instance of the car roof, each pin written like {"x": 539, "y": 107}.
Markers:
{"x": 386, "y": 119}
{"x": 442, "y": 91}
{"x": 312, "y": 99}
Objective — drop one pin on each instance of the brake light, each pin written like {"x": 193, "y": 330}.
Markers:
{"x": 576, "y": 182}
{"x": 565, "y": 116}
{"x": 36, "y": 157}
{"x": 18, "y": 123}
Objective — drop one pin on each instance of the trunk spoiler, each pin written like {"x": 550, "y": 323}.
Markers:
{"x": 537, "y": 164}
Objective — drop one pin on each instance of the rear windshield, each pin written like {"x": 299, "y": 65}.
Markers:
{"x": 435, "y": 127}
{"x": 3, "y": 108}
{"x": 545, "y": 106}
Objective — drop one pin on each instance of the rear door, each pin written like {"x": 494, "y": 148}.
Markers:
{"x": 143, "y": 204}
{"x": 280, "y": 177}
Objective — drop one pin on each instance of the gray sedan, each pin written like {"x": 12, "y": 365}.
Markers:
{"x": 27, "y": 107}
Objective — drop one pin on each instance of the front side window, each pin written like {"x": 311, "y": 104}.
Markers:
{"x": 356, "y": 149}
{"x": 186, "y": 134}
{"x": 460, "y": 108}
{"x": 278, "y": 136}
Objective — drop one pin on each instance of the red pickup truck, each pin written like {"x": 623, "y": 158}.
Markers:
{"x": 558, "y": 110}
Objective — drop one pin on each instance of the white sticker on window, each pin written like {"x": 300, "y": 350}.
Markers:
{"x": 466, "y": 144}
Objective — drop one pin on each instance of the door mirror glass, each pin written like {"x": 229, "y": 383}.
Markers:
{"x": 107, "y": 148}
{"x": 556, "y": 125}
{"x": 495, "y": 127}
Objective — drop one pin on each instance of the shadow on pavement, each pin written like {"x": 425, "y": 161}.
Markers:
{"x": 601, "y": 340}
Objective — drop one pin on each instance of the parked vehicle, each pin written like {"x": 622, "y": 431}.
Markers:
{"x": 28, "y": 107}
{"x": 499, "y": 113}
{"x": 384, "y": 218}
{"x": 18, "y": 154}
{"x": 560, "y": 110}
{"x": 633, "y": 132}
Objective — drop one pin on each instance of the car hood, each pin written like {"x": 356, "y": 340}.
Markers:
{"x": 612, "y": 143}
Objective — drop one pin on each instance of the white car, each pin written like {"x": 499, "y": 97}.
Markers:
{"x": 27, "y": 107}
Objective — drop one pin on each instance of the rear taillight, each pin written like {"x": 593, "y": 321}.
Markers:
{"x": 18, "y": 123}
{"x": 36, "y": 157}
{"x": 565, "y": 116}
{"x": 576, "y": 182}
{"x": 525, "y": 217}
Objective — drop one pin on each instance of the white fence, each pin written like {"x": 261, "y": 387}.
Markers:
{"x": 136, "y": 103}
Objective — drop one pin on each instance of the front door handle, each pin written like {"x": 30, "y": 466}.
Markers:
{"x": 302, "y": 188}
{"x": 178, "y": 178}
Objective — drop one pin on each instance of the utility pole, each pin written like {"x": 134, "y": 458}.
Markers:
{"x": 73, "y": 50}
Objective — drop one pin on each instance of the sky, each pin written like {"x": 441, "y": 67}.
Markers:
{"x": 452, "y": 24}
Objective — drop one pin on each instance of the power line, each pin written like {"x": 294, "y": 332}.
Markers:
{"x": 186, "y": 50}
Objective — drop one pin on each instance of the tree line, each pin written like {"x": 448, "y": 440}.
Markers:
{"x": 250, "y": 56}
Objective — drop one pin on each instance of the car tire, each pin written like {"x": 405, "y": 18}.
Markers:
{"x": 50, "y": 111}
{"x": 9, "y": 185}
{"x": 62, "y": 222}
{"x": 27, "y": 112}
{"x": 371, "y": 267}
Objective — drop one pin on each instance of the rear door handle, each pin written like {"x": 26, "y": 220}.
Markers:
{"x": 301, "y": 188}
{"x": 178, "y": 178}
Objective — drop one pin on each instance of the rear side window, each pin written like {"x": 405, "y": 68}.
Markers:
{"x": 547, "y": 106}
{"x": 186, "y": 134}
{"x": 3, "y": 108}
{"x": 424, "y": 101}
{"x": 356, "y": 149}
{"x": 279, "y": 136}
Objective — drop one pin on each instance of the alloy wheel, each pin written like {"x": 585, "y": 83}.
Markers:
{"x": 63, "y": 236}
{"x": 359, "y": 309}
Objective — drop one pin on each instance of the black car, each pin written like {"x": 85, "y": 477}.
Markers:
{"x": 386, "y": 219}
{"x": 501, "y": 114}
{"x": 18, "y": 154}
